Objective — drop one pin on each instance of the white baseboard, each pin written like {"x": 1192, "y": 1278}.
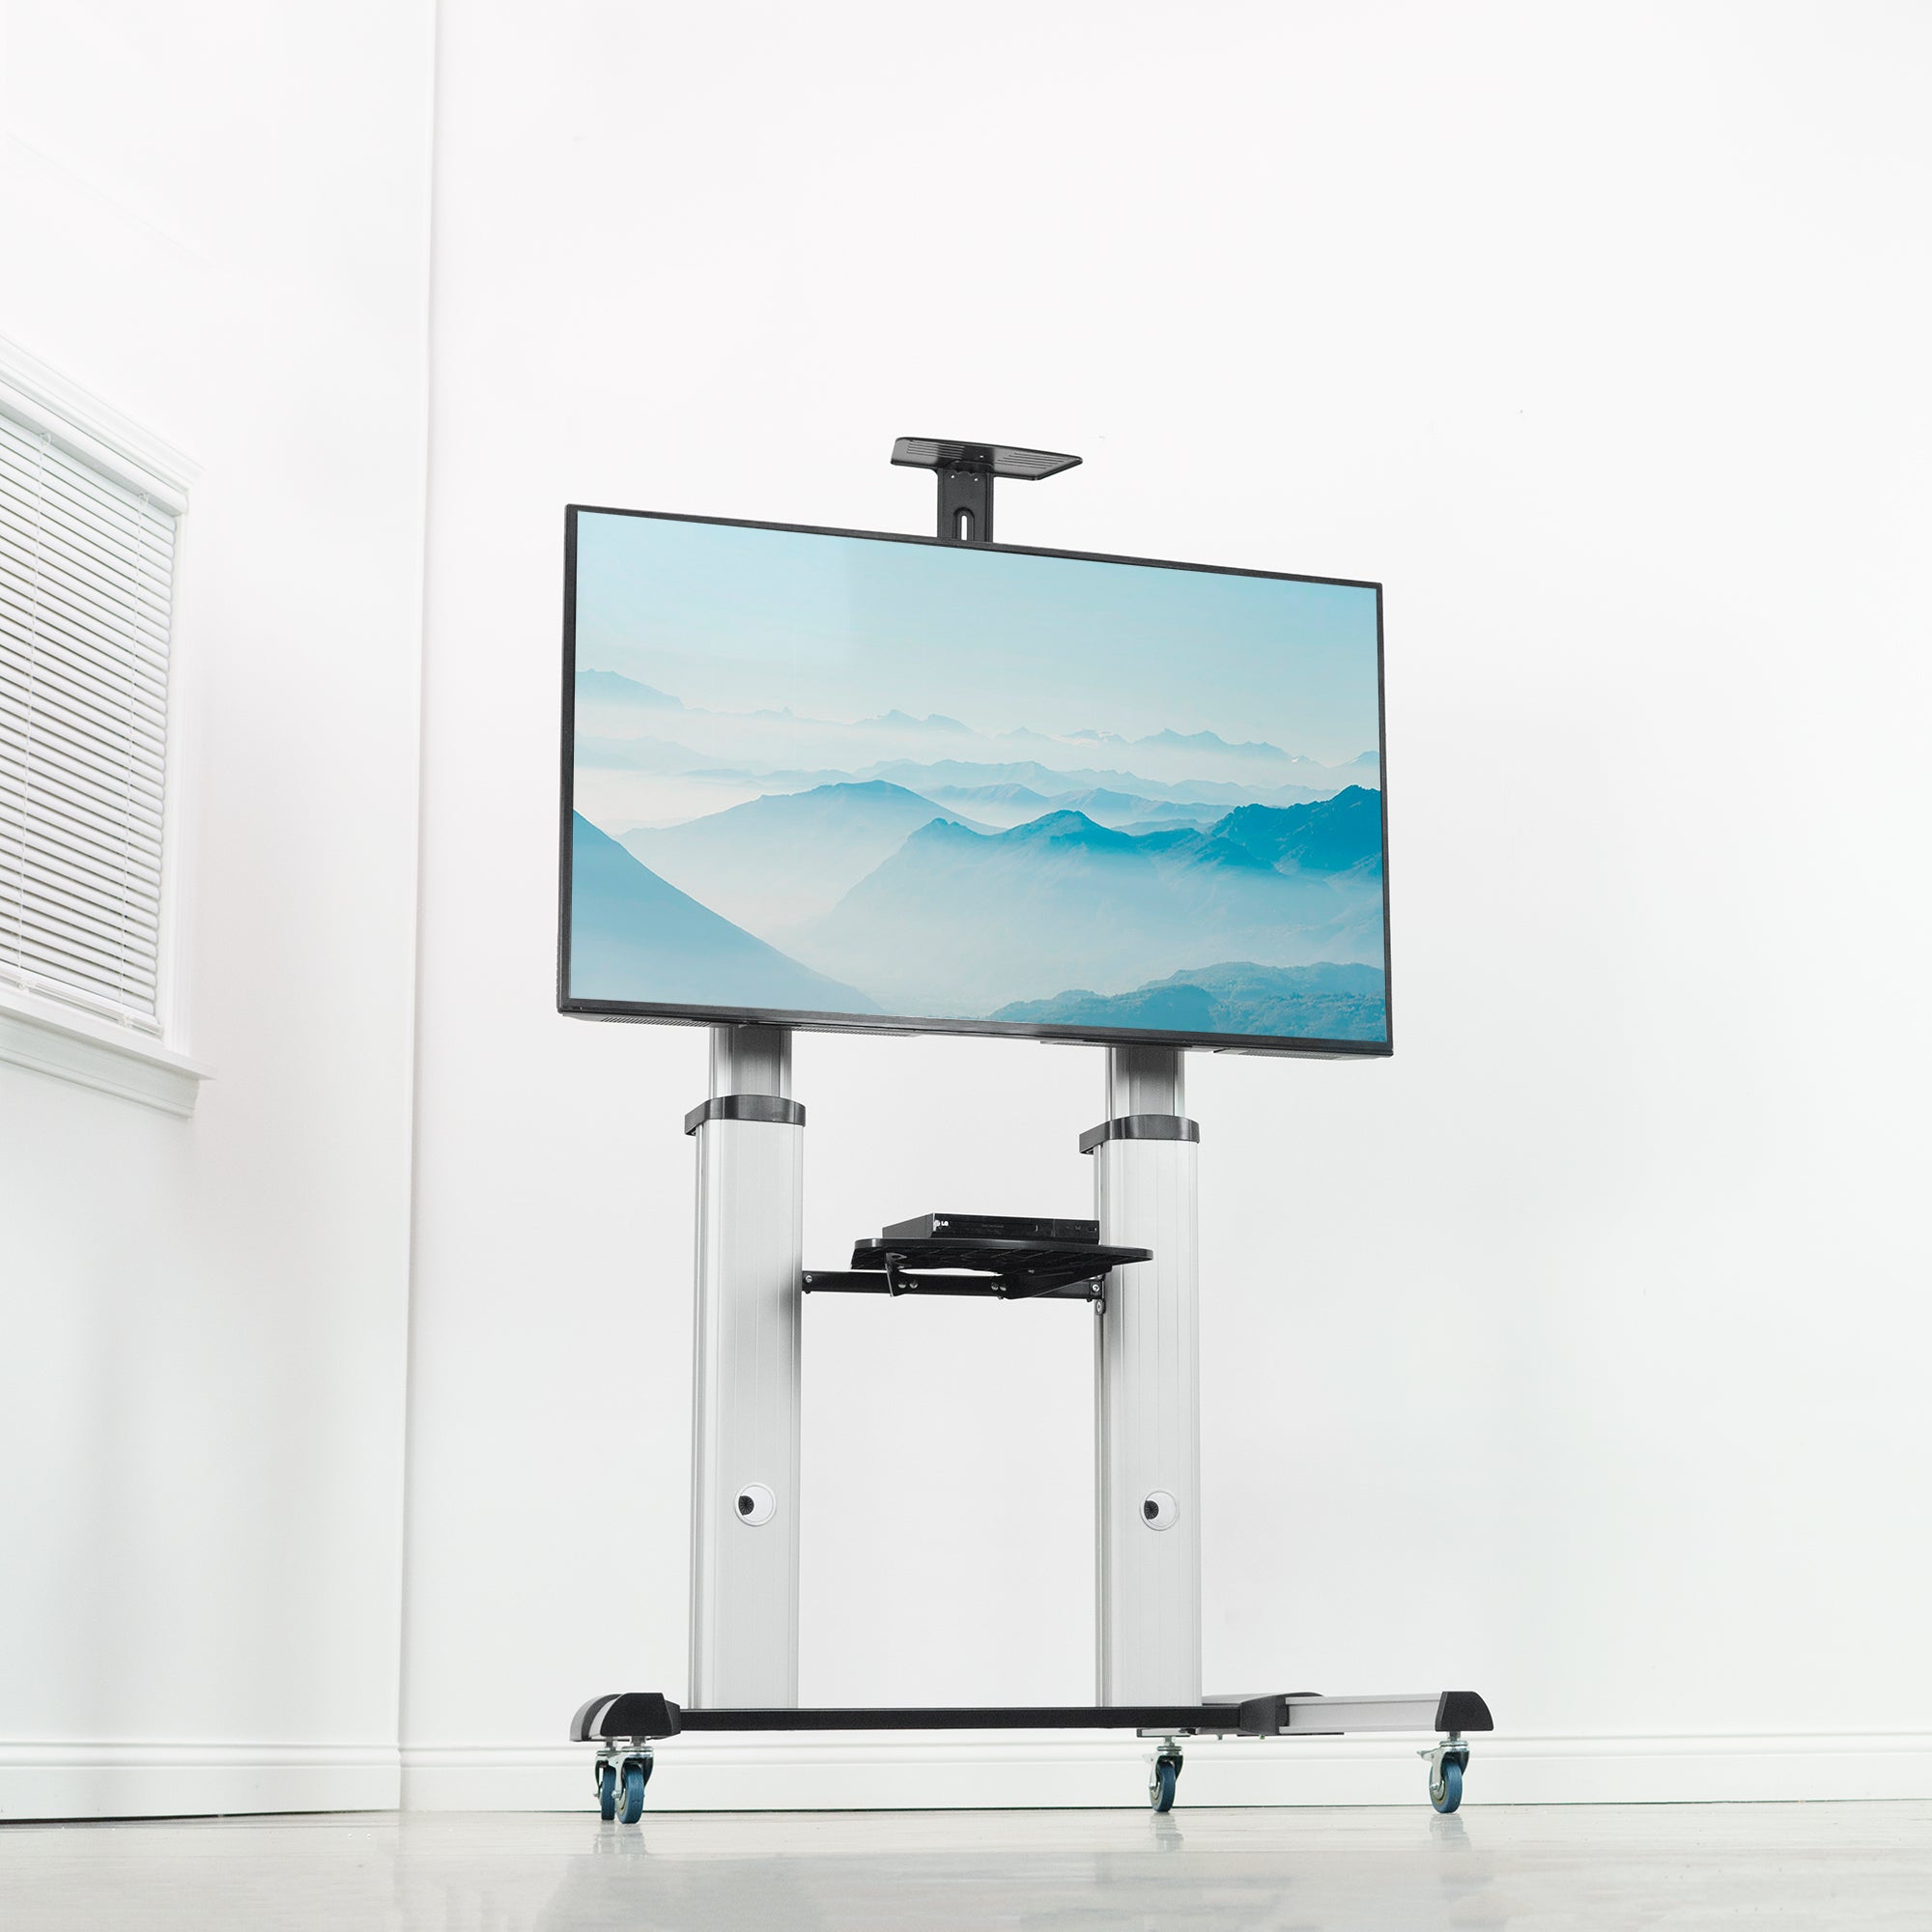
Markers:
{"x": 182, "y": 1781}
{"x": 927, "y": 1771}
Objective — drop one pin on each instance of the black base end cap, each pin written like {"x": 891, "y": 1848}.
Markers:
{"x": 1263, "y": 1717}
{"x": 1462, "y": 1711}
{"x": 627, "y": 1714}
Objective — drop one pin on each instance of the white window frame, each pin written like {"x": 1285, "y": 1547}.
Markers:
{"x": 42, "y": 1032}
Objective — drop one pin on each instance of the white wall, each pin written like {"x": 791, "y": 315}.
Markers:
{"x": 1588, "y": 1373}
{"x": 1574, "y": 1354}
{"x": 215, "y": 219}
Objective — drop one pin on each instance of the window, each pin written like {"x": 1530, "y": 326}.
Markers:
{"x": 86, "y": 600}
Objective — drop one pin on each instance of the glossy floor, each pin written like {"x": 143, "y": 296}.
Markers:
{"x": 1868, "y": 1866}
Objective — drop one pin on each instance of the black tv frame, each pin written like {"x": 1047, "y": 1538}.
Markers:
{"x": 661, "y": 1014}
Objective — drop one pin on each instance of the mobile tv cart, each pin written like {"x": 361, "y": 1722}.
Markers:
{"x": 1136, "y": 1262}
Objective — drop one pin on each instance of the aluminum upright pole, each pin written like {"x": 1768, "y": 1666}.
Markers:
{"x": 744, "y": 1469}
{"x": 1147, "y": 1386}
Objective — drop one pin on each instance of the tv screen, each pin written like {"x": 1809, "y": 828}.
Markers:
{"x": 885, "y": 783}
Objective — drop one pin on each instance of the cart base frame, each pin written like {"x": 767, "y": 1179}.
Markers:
{"x": 624, "y": 1726}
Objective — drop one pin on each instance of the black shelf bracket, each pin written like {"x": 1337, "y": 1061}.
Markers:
{"x": 948, "y": 1281}
{"x": 966, "y": 472}
{"x": 1014, "y": 1271}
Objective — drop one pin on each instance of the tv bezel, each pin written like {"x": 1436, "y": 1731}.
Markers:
{"x": 653, "y": 1012}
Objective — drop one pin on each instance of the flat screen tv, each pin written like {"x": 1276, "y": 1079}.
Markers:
{"x": 847, "y": 780}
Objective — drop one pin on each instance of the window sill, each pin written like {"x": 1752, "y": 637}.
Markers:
{"x": 69, "y": 1045}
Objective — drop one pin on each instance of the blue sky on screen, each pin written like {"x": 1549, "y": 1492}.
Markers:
{"x": 747, "y": 619}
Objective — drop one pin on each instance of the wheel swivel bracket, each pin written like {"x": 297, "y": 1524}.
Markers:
{"x": 1452, "y": 1749}
{"x": 620, "y": 1753}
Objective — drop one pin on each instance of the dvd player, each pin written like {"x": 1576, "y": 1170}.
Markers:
{"x": 991, "y": 1228}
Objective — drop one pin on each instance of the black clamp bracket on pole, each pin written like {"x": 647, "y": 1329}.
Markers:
{"x": 966, "y": 471}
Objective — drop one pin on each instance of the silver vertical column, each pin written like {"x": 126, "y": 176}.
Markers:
{"x": 1147, "y": 1393}
{"x": 744, "y": 1471}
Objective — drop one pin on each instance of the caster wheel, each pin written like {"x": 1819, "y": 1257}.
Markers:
{"x": 1446, "y": 1793}
{"x": 607, "y": 1792}
{"x": 636, "y": 1774}
{"x": 1160, "y": 1786}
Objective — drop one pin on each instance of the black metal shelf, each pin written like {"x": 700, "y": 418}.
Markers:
{"x": 1010, "y": 1270}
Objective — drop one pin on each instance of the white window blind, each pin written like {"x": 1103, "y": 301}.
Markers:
{"x": 86, "y": 593}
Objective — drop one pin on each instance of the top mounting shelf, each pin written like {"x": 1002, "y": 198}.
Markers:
{"x": 966, "y": 471}
{"x": 996, "y": 459}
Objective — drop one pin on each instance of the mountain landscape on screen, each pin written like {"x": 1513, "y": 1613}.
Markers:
{"x": 809, "y": 779}
{"x": 630, "y": 928}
